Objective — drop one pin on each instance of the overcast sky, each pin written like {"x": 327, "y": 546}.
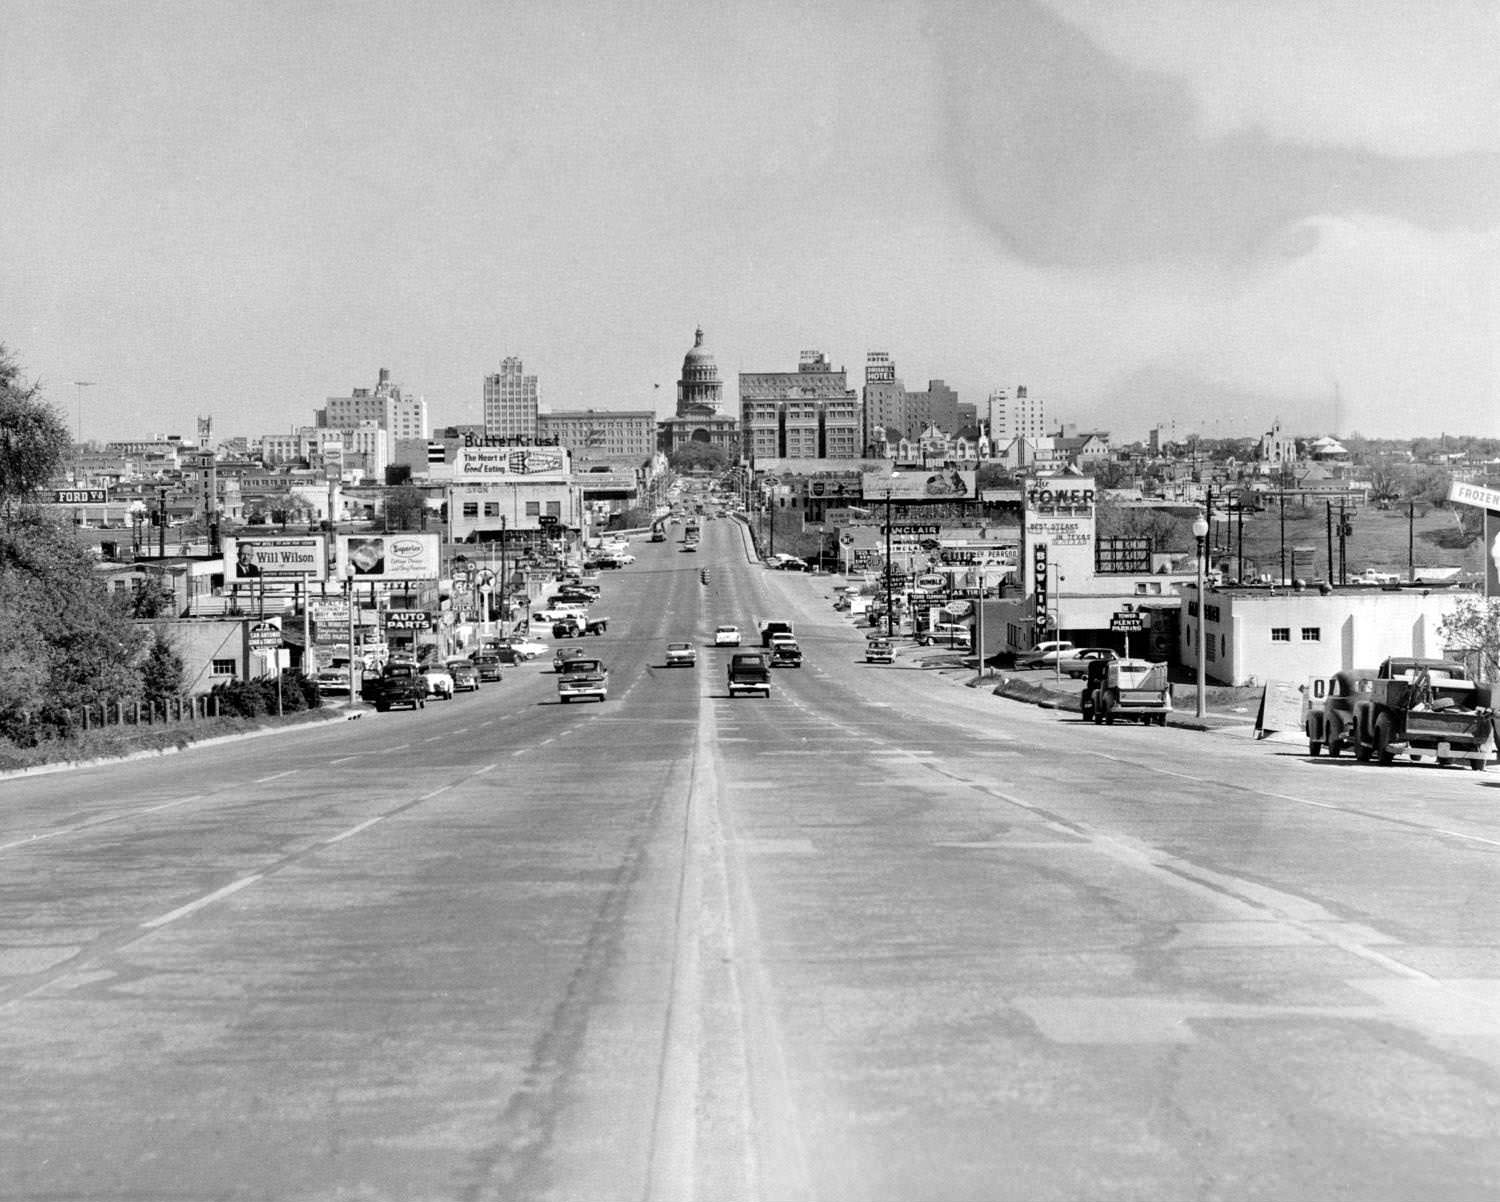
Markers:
{"x": 1203, "y": 214}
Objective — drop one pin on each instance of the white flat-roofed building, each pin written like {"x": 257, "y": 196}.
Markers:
{"x": 1252, "y": 635}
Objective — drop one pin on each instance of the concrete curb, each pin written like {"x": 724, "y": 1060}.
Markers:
{"x": 317, "y": 723}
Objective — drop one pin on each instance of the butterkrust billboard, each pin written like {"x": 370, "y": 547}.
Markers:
{"x": 489, "y": 463}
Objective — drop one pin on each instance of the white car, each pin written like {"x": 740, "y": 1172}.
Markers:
{"x": 438, "y": 682}
{"x": 727, "y": 636}
{"x": 522, "y": 648}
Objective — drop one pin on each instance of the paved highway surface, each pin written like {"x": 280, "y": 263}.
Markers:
{"x": 878, "y": 937}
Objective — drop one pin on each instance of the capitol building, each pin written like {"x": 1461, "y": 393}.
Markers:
{"x": 700, "y": 395}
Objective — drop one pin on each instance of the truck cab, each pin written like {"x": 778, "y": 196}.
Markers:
{"x": 1126, "y": 688}
{"x": 582, "y": 677}
{"x": 749, "y": 672}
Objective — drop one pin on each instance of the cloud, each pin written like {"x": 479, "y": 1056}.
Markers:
{"x": 1074, "y": 158}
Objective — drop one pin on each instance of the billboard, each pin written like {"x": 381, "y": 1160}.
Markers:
{"x": 388, "y": 556}
{"x": 274, "y": 557}
{"x": 1492, "y": 554}
{"x": 918, "y": 485}
{"x": 487, "y": 463}
{"x": 1052, "y": 493}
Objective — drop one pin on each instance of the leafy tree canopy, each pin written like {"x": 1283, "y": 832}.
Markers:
{"x": 33, "y": 436}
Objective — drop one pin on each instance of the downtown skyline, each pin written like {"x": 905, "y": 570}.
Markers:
{"x": 1157, "y": 213}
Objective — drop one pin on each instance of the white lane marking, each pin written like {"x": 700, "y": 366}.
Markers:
{"x": 207, "y": 900}
{"x": 354, "y": 830}
{"x": 105, "y": 821}
{"x": 344, "y": 759}
{"x": 1304, "y": 801}
{"x": 260, "y": 780}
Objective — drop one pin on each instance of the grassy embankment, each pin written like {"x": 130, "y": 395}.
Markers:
{"x": 1379, "y": 541}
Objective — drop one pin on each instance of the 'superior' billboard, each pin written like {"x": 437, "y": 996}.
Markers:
{"x": 388, "y": 556}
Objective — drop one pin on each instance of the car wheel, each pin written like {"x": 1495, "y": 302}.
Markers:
{"x": 1478, "y": 765}
{"x": 1314, "y": 748}
{"x": 1383, "y": 752}
{"x": 381, "y": 707}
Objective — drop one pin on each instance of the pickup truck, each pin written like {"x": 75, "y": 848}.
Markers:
{"x": 1126, "y": 688}
{"x": 400, "y": 684}
{"x": 1430, "y": 707}
{"x": 785, "y": 653}
{"x": 767, "y": 629}
{"x": 749, "y": 672}
{"x": 582, "y": 677}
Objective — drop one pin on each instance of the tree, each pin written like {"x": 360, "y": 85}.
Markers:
{"x": 404, "y": 506}
{"x": 161, "y": 670}
{"x": 699, "y": 457}
{"x": 1166, "y": 530}
{"x": 33, "y": 436}
{"x": 64, "y": 642}
{"x": 1473, "y": 628}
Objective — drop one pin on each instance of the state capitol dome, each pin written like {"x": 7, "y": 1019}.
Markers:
{"x": 700, "y": 390}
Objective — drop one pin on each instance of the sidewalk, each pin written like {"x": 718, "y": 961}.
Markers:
{"x": 1041, "y": 688}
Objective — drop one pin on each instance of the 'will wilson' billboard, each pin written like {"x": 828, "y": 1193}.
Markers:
{"x": 247, "y": 559}
{"x": 388, "y": 556}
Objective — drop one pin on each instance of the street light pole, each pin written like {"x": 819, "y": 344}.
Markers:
{"x": 890, "y": 601}
{"x": 1200, "y": 532}
{"x": 1056, "y": 652}
{"x": 349, "y": 608}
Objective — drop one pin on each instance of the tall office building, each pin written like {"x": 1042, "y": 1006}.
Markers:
{"x": 385, "y": 405}
{"x": 885, "y": 402}
{"x": 510, "y": 402}
{"x": 810, "y": 413}
{"x": 1015, "y": 417}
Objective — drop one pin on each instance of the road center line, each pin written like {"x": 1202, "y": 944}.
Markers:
{"x": 207, "y": 900}
{"x": 354, "y": 830}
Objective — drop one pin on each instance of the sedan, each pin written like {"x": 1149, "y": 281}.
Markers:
{"x": 333, "y": 682}
{"x": 465, "y": 675}
{"x": 681, "y": 655}
{"x": 487, "y": 664}
{"x": 518, "y": 647}
{"x": 438, "y": 682}
{"x": 564, "y": 654}
{"x": 727, "y": 636}
{"x": 1044, "y": 655}
{"x": 1075, "y": 663}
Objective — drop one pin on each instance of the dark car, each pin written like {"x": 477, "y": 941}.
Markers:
{"x": 487, "y": 664}
{"x": 465, "y": 675}
{"x": 400, "y": 684}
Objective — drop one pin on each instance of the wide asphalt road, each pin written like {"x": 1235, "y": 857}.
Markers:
{"x": 877, "y": 937}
